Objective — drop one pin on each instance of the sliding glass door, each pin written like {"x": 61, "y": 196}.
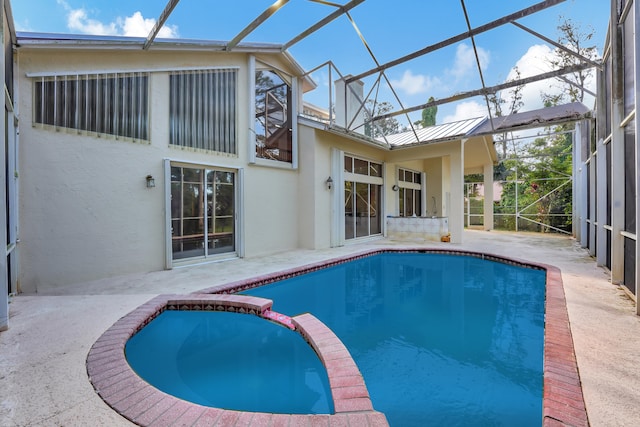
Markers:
{"x": 202, "y": 212}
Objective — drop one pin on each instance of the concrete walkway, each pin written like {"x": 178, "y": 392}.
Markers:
{"x": 43, "y": 379}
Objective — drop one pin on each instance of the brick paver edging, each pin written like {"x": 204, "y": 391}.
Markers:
{"x": 122, "y": 389}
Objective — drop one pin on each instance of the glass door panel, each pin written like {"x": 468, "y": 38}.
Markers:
{"x": 375, "y": 220}
{"x": 362, "y": 209}
{"x": 199, "y": 216}
{"x": 349, "y": 208}
{"x": 222, "y": 223}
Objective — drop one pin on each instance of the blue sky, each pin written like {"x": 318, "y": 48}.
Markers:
{"x": 391, "y": 29}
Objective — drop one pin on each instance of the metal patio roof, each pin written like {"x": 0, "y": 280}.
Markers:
{"x": 433, "y": 134}
{"x": 550, "y": 116}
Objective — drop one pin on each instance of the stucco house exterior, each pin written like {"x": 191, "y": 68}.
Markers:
{"x": 142, "y": 160}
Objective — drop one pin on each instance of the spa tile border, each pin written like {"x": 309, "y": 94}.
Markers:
{"x": 133, "y": 398}
{"x": 563, "y": 401}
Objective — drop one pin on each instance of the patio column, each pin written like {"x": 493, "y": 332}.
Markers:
{"x": 488, "y": 196}
{"x": 617, "y": 151}
{"x": 456, "y": 194}
{"x": 601, "y": 208}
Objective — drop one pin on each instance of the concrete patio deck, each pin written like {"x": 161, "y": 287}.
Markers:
{"x": 43, "y": 378}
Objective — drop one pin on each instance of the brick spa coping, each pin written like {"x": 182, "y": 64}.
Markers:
{"x": 133, "y": 398}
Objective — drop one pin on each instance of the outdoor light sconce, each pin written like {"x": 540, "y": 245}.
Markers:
{"x": 150, "y": 181}
{"x": 395, "y": 187}
{"x": 329, "y": 183}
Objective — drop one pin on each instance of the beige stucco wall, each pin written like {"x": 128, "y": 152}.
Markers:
{"x": 442, "y": 164}
{"x": 315, "y": 167}
{"x": 85, "y": 212}
{"x": 434, "y": 186}
{"x": 314, "y": 216}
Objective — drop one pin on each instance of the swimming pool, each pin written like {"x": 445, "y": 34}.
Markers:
{"x": 133, "y": 398}
{"x": 440, "y": 339}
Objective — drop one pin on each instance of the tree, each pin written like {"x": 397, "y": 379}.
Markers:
{"x": 572, "y": 86}
{"x": 542, "y": 172}
{"x": 429, "y": 114}
{"x": 514, "y": 103}
{"x": 382, "y": 127}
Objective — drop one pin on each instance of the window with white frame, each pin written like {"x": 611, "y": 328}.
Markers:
{"x": 362, "y": 197}
{"x": 110, "y": 104}
{"x": 202, "y": 211}
{"x": 203, "y": 110}
{"x": 409, "y": 192}
{"x": 274, "y": 117}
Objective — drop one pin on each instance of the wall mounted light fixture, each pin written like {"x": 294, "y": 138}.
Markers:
{"x": 395, "y": 187}
{"x": 150, "y": 181}
{"x": 329, "y": 183}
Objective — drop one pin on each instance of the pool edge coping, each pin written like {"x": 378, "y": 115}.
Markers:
{"x": 141, "y": 403}
{"x": 563, "y": 401}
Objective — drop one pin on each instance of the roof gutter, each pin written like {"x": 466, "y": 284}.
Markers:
{"x": 54, "y": 41}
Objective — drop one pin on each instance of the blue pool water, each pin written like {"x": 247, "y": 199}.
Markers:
{"x": 230, "y": 361}
{"x": 440, "y": 339}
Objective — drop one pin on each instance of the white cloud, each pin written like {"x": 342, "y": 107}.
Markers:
{"x": 465, "y": 61}
{"x": 78, "y": 20}
{"x": 135, "y": 25}
{"x": 537, "y": 61}
{"x": 466, "y": 110}
{"x": 534, "y": 61}
{"x": 138, "y": 26}
{"x": 414, "y": 84}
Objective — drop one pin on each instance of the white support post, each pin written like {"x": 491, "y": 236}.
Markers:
{"x": 617, "y": 152}
{"x": 581, "y": 187}
{"x": 488, "y": 196}
{"x": 456, "y": 204}
{"x": 601, "y": 208}
{"x": 592, "y": 196}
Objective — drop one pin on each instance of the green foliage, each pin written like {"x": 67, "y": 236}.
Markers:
{"x": 542, "y": 179}
{"x": 429, "y": 114}
{"x": 540, "y": 176}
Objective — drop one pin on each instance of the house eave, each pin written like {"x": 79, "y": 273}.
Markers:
{"x": 80, "y": 41}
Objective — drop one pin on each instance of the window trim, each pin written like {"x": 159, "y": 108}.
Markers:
{"x": 253, "y": 159}
{"x": 239, "y": 238}
{"x": 411, "y": 186}
{"x": 358, "y": 178}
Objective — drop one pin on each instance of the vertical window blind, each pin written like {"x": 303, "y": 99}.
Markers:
{"x": 112, "y": 104}
{"x": 203, "y": 109}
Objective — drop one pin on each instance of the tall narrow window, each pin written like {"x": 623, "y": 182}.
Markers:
{"x": 203, "y": 109}
{"x": 202, "y": 212}
{"x": 110, "y": 104}
{"x": 273, "y": 121}
{"x": 409, "y": 193}
{"x": 363, "y": 190}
